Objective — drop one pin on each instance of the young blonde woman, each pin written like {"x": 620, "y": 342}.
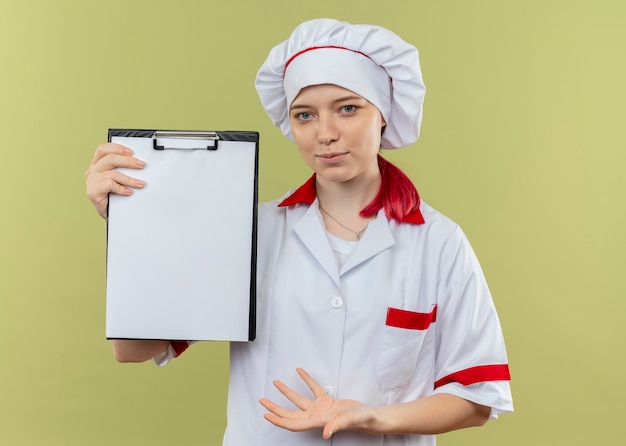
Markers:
{"x": 375, "y": 323}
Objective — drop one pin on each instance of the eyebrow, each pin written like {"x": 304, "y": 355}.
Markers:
{"x": 336, "y": 101}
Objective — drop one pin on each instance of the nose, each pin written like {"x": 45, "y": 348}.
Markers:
{"x": 327, "y": 131}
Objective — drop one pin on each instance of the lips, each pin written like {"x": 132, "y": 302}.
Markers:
{"x": 333, "y": 157}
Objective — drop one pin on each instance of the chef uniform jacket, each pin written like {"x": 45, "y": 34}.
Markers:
{"x": 408, "y": 315}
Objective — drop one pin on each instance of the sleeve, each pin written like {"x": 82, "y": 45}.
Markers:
{"x": 175, "y": 349}
{"x": 471, "y": 360}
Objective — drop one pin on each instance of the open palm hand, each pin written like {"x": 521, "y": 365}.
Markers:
{"x": 323, "y": 412}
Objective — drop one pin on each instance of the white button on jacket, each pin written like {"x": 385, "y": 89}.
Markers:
{"x": 336, "y": 302}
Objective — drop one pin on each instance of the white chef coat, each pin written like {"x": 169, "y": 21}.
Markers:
{"x": 408, "y": 314}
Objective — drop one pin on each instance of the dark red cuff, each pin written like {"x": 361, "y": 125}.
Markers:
{"x": 179, "y": 347}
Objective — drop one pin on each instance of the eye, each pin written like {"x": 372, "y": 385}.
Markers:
{"x": 304, "y": 116}
{"x": 348, "y": 109}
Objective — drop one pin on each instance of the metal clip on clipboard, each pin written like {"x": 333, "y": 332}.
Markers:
{"x": 177, "y": 140}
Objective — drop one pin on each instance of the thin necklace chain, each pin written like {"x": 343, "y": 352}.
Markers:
{"x": 358, "y": 234}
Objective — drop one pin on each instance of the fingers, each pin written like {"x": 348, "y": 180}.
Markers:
{"x": 110, "y": 148}
{"x": 275, "y": 408}
{"x": 293, "y": 420}
{"x": 301, "y": 402}
{"x": 329, "y": 430}
{"x": 103, "y": 178}
{"x": 109, "y": 157}
{"x": 316, "y": 389}
{"x": 112, "y": 182}
{"x": 286, "y": 423}
{"x": 317, "y": 413}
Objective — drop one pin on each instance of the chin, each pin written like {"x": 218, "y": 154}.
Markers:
{"x": 335, "y": 177}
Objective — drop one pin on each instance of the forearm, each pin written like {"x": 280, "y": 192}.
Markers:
{"x": 432, "y": 415}
{"x": 138, "y": 350}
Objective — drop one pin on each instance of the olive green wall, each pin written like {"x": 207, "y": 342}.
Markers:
{"x": 522, "y": 144}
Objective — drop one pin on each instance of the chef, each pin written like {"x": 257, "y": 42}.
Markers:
{"x": 375, "y": 323}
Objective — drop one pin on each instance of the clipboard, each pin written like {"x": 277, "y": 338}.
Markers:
{"x": 181, "y": 252}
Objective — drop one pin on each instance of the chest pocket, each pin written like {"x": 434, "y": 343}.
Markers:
{"x": 407, "y": 349}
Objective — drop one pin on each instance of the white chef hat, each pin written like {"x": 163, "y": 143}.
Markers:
{"x": 368, "y": 60}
